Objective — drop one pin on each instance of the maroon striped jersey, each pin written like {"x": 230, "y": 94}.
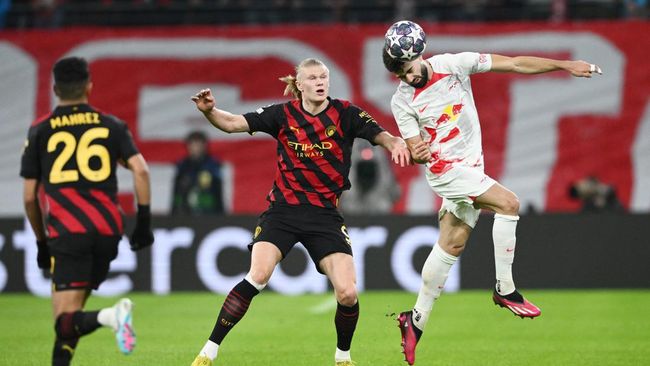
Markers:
{"x": 73, "y": 152}
{"x": 313, "y": 151}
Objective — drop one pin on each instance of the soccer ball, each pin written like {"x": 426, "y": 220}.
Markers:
{"x": 405, "y": 40}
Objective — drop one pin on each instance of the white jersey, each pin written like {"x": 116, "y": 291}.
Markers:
{"x": 443, "y": 112}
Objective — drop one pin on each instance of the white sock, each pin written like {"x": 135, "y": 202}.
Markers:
{"x": 434, "y": 275}
{"x": 342, "y": 355}
{"x": 209, "y": 350}
{"x": 258, "y": 286}
{"x": 106, "y": 317}
{"x": 503, "y": 234}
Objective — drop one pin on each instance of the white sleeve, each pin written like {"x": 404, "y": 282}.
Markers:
{"x": 405, "y": 117}
{"x": 465, "y": 63}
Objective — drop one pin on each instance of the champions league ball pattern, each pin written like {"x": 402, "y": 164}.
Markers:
{"x": 405, "y": 40}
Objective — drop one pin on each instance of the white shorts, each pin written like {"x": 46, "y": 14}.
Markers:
{"x": 458, "y": 188}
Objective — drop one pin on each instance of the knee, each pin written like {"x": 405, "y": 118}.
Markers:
{"x": 260, "y": 276}
{"x": 347, "y": 295}
{"x": 511, "y": 205}
{"x": 64, "y": 326}
{"x": 454, "y": 247}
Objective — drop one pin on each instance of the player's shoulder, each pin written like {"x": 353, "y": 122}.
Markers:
{"x": 39, "y": 123}
{"x": 41, "y": 119}
{"x": 456, "y": 59}
{"x": 273, "y": 107}
{"x": 442, "y": 60}
{"x": 109, "y": 118}
{"x": 403, "y": 94}
{"x": 342, "y": 102}
{"x": 345, "y": 107}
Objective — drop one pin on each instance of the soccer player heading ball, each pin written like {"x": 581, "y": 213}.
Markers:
{"x": 435, "y": 112}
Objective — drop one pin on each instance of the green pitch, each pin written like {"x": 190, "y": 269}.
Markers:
{"x": 576, "y": 328}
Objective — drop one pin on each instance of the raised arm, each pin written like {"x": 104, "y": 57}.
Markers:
{"x": 538, "y": 65}
{"x": 223, "y": 120}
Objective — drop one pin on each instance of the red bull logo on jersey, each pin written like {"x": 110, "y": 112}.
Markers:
{"x": 449, "y": 114}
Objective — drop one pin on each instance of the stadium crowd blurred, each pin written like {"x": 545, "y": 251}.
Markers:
{"x": 58, "y": 13}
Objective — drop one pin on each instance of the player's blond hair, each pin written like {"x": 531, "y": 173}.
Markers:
{"x": 291, "y": 87}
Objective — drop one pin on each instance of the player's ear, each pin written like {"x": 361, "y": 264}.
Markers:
{"x": 89, "y": 88}
{"x": 56, "y": 90}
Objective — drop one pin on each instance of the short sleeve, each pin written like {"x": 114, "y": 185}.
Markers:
{"x": 405, "y": 117}
{"x": 465, "y": 63}
{"x": 265, "y": 119}
{"x": 363, "y": 125}
{"x": 125, "y": 142}
{"x": 30, "y": 165}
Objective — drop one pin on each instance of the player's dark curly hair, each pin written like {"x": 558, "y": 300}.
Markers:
{"x": 70, "y": 77}
{"x": 393, "y": 65}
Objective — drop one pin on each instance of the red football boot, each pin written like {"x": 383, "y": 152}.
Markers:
{"x": 410, "y": 335}
{"x": 523, "y": 308}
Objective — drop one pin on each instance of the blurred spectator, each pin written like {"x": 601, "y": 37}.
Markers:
{"x": 404, "y": 9}
{"x": 558, "y": 10}
{"x": 595, "y": 195}
{"x": 198, "y": 185}
{"x": 5, "y": 5}
{"x": 48, "y": 13}
{"x": 374, "y": 190}
{"x": 636, "y": 9}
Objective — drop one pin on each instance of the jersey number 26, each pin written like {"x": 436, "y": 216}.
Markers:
{"x": 85, "y": 150}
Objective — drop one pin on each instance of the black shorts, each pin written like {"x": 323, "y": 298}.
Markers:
{"x": 320, "y": 230}
{"x": 81, "y": 261}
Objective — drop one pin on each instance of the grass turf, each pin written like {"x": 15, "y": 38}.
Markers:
{"x": 576, "y": 328}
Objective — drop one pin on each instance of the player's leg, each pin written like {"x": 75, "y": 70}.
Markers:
{"x": 506, "y": 207}
{"x": 72, "y": 277}
{"x": 339, "y": 268}
{"x": 505, "y": 204}
{"x": 119, "y": 317}
{"x": 454, "y": 233}
{"x": 264, "y": 257}
{"x": 325, "y": 236}
{"x": 72, "y": 322}
{"x": 69, "y": 323}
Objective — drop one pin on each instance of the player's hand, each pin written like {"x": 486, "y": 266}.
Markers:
{"x": 142, "y": 235}
{"x": 204, "y": 100}
{"x": 43, "y": 256}
{"x": 400, "y": 153}
{"x": 582, "y": 69}
{"x": 420, "y": 153}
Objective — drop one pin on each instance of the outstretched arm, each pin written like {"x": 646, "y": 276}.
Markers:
{"x": 397, "y": 147}
{"x": 538, "y": 65}
{"x": 223, "y": 120}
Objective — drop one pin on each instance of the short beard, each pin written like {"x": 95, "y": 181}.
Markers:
{"x": 424, "y": 79}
